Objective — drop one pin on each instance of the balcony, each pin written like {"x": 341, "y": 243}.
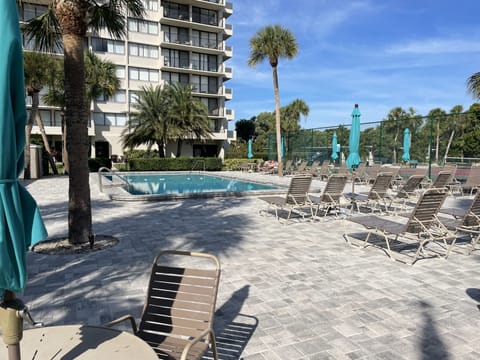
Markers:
{"x": 228, "y": 31}
{"x": 228, "y": 52}
{"x": 228, "y": 9}
{"x": 229, "y": 114}
{"x": 227, "y": 73}
{"x": 231, "y": 135}
{"x": 228, "y": 92}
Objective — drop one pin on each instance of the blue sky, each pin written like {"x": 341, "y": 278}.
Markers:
{"x": 377, "y": 53}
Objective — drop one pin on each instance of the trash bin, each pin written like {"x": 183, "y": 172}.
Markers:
{"x": 36, "y": 166}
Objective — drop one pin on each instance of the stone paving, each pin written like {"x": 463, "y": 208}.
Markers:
{"x": 295, "y": 291}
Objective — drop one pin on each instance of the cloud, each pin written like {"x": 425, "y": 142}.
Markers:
{"x": 434, "y": 46}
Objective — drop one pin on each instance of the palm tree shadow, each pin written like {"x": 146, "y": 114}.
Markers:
{"x": 432, "y": 346}
{"x": 474, "y": 293}
{"x": 233, "y": 330}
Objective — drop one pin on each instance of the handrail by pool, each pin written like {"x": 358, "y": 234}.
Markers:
{"x": 195, "y": 164}
{"x": 103, "y": 171}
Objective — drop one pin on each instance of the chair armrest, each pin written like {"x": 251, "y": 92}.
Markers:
{"x": 192, "y": 342}
{"x": 122, "y": 319}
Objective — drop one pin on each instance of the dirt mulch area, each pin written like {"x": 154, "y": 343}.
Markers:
{"x": 61, "y": 246}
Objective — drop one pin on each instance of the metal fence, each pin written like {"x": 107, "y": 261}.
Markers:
{"x": 433, "y": 139}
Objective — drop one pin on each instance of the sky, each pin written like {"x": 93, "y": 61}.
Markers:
{"x": 379, "y": 54}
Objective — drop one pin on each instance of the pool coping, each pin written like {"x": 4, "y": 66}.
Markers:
{"x": 117, "y": 193}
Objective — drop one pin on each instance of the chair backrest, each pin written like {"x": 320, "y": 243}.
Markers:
{"x": 473, "y": 178}
{"x": 380, "y": 186}
{"x": 298, "y": 189}
{"x": 302, "y": 165}
{"x": 288, "y": 165}
{"x": 334, "y": 188}
{"x": 424, "y": 214}
{"x": 410, "y": 186}
{"x": 472, "y": 216}
{"x": 181, "y": 301}
{"x": 324, "y": 170}
{"x": 443, "y": 179}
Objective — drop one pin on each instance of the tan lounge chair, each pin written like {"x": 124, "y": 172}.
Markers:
{"x": 296, "y": 198}
{"x": 421, "y": 227}
{"x": 407, "y": 192}
{"x": 330, "y": 198}
{"x": 472, "y": 183}
{"x": 375, "y": 198}
{"x": 177, "y": 319}
{"x": 466, "y": 221}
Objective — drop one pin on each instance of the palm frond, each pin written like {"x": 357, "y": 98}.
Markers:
{"x": 45, "y": 32}
{"x": 473, "y": 85}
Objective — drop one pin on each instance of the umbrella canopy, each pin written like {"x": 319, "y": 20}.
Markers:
{"x": 282, "y": 147}
{"x": 250, "y": 153}
{"x": 334, "y": 147}
{"x": 354, "y": 141}
{"x": 406, "y": 145}
{"x": 20, "y": 221}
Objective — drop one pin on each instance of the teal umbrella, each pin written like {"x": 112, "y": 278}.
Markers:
{"x": 354, "y": 141}
{"x": 20, "y": 222}
{"x": 406, "y": 145}
{"x": 282, "y": 148}
{"x": 250, "y": 153}
{"x": 334, "y": 147}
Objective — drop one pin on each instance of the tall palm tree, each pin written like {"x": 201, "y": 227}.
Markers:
{"x": 188, "y": 115}
{"x": 148, "y": 125}
{"x": 473, "y": 85}
{"x": 272, "y": 43}
{"x": 291, "y": 115}
{"x": 66, "y": 23}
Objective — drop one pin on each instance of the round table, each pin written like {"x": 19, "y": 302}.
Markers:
{"x": 83, "y": 342}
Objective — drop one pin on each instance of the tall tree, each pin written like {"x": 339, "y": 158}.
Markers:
{"x": 473, "y": 85}
{"x": 272, "y": 43}
{"x": 291, "y": 115}
{"x": 245, "y": 129}
{"x": 66, "y": 23}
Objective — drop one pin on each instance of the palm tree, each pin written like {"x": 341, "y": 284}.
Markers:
{"x": 187, "y": 115}
{"x": 273, "y": 42}
{"x": 66, "y": 23}
{"x": 149, "y": 124}
{"x": 291, "y": 115}
{"x": 473, "y": 85}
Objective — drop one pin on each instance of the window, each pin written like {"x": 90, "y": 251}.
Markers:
{"x": 175, "y": 11}
{"x": 143, "y": 26}
{"x": 120, "y": 96}
{"x": 31, "y": 11}
{"x": 176, "y": 58}
{"x": 108, "y": 46}
{"x": 174, "y": 34}
{"x": 172, "y": 78}
{"x": 109, "y": 119}
{"x": 151, "y": 5}
{"x": 205, "y": 84}
{"x": 120, "y": 72}
{"x": 133, "y": 97}
{"x": 141, "y": 50}
{"x": 46, "y": 116}
{"x": 204, "y": 62}
{"x": 143, "y": 74}
{"x": 204, "y": 16}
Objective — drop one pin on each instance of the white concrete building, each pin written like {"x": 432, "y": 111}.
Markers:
{"x": 176, "y": 41}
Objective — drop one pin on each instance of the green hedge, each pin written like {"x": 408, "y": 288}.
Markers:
{"x": 234, "y": 164}
{"x": 96, "y": 163}
{"x": 174, "y": 164}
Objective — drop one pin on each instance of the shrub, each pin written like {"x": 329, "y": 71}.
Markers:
{"x": 234, "y": 164}
{"x": 174, "y": 164}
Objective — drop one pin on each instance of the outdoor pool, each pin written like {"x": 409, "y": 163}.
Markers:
{"x": 157, "y": 186}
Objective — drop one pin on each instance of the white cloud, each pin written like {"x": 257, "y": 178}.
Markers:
{"x": 435, "y": 46}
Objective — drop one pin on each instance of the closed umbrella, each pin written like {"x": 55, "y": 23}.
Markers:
{"x": 20, "y": 222}
{"x": 354, "y": 141}
{"x": 406, "y": 145}
{"x": 334, "y": 147}
{"x": 250, "y": 153}
{"x": 282, "y": 147}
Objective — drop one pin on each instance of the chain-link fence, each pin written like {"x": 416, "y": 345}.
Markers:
{"x": 433, "y": 139}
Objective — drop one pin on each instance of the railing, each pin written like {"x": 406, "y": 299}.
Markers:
{"x": 106, "y": 171}
{"x": 196, "y": 163}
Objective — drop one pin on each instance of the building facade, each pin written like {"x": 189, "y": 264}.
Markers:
{"x": 181, "y": 41}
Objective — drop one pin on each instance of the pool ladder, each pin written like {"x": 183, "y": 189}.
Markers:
{"x": 106, "y": 171}
{"x": 196, "y": 163}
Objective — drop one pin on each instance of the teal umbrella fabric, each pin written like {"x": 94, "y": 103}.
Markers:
{"x": 20, "y": 222}
{"x": 250, "y": 153}
{"x": 334, "y": 147}
{"x": 282, "y": 147}
{"x": 354, "y": 140}
{"x": 406, "y": 145}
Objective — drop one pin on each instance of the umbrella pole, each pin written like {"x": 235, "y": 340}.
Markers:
{"x": 11, "y": 323}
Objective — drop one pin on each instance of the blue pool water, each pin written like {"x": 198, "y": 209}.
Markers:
{"x": 146, "y": 184}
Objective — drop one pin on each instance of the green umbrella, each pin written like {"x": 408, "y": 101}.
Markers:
{"x": 354, "y": 141}
{"x": 406, "y": 145}
{"x": 20, "y": 222}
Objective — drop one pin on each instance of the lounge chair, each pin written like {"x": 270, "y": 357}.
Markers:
{"x": 471, "y": 185}
{"x": 330, "y": 198}
{"x": 421, "y": 227}
{"x": 296, "y": 198}
{"x": 301, "y": 167}
{"x": 288, "y": 168}
{"x": 324, "y": 171}
{"x": 406, "y": 192}
{"x": 376, "y": 197}
{"x": 177, "y": 318}
{"x": 466, "y": 220}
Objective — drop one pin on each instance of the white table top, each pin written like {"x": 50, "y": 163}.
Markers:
{"x": 83, "y": 342}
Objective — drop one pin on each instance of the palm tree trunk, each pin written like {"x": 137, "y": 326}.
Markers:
{"x": 38, "y": 118}
{"x": 277, "y": 120}
{"x": 28, "y": 137}
{"x": 79, "y": 206}
{"x": 437, "y": 141}
{"x": 448, "y": 145}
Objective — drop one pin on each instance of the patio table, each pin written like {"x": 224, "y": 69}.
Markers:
{"x": 83, "y": 342}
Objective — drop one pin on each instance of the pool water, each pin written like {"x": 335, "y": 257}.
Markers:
{"x": 146, "y": 184}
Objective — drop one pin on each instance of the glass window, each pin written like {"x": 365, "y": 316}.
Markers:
{"x": 153, "y": 75}
{"x": 109, "y": 119}
{"x": 120, "y": 96}
{"x": 121, "y": 120}
{"x": 133, "y": 97}
{"x": 46, "y": 116}
{"x": 98, "y": 118}
{"x": 120, "y": 72}
{"x": 133, "y": 73}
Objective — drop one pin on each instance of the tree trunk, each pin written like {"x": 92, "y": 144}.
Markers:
{"x": 28, "y": 137}
{"x": 277, "y": 120}
{"x": 448, "y": 145}
{"x": 64, "y": 145}
{"x": 179, "y": 148}
{"x": 38, "y": 118}
{"x": 437, "y": 141}
{"x": 79, "y": 206}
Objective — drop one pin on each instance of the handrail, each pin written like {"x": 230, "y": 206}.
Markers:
{"x": 104, "y": 170}
{"x": 195, "y": 164}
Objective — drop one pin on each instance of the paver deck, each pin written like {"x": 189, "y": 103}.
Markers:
{"x": 295, "y": 291}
